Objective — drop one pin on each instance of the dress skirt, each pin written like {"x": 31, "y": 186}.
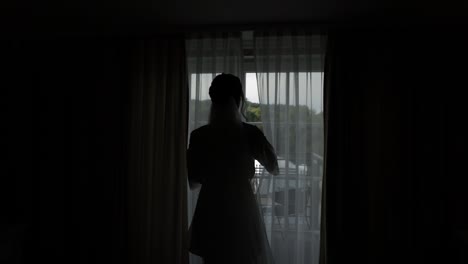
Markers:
{"x": 227, "y": 222}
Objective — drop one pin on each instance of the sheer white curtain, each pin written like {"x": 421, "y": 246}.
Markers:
{"x": 208, "y": 54}
{"x": 289, "y": 69}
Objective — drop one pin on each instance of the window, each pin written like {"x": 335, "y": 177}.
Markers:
{"x": 283, "y": 80}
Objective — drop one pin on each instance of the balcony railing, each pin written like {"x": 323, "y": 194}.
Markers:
{"x": 290, "y": 201}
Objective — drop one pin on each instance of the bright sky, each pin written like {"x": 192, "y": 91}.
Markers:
{"x": 251, "y": 90}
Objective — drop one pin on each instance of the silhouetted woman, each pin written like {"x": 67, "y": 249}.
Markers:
{"x": 227, "y": 226}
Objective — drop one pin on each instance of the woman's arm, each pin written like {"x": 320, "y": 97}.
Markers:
{"x": 265, "y": 153}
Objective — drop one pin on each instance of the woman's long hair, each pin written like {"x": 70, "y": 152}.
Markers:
{"x": 227, "y": 100}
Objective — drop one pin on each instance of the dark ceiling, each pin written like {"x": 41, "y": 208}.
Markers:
{"x": 139, "y": 13}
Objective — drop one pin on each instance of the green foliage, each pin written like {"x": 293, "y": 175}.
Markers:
{"x": 252, "y": 112}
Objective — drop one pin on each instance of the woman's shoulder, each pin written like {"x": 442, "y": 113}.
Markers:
{"x": 252, "y": 129}
{"x": 210, "y": 131}
{"x": 250, "y": 126}
{"x": 203, "y": 130}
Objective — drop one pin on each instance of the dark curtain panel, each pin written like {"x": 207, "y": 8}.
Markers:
{"x": 157, "y": 175}
{"x": 396, "y": 147}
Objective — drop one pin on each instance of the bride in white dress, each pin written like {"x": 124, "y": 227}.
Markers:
{"x": 227, "y": 225}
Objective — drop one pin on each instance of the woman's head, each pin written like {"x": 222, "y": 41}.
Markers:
{"x": 227, "y": 97}
{"x": 224, "y": 87}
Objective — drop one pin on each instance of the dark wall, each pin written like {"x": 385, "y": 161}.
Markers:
{"x": 66, "y": 135}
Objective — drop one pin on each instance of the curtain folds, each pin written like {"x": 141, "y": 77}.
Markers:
{"x": 289, "y": 68}
{"x": 393, "y": 133}
{"x": 208, "y": 54}
{"x": 157, "y": 171}
{"x": 328, "y": 77}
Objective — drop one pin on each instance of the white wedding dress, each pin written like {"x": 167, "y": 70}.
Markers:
{"x": 227, "y": 224}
